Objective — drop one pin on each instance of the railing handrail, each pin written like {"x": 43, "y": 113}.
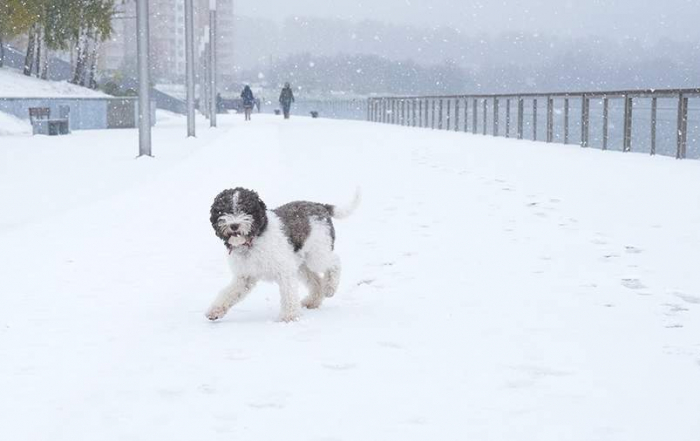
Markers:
{"x": 589, "y": 94}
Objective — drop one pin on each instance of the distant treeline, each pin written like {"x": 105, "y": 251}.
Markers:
{"x": 58, "y": 25}
{"x": 371, "y": 56}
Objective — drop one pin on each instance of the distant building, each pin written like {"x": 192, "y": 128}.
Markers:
{"x": 168, "y": 40}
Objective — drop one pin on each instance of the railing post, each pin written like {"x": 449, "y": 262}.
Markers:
{"x": 584, "y": 120}
{"x": 440, "y": 115}
{"x": 534, "y": 119}
{"x": 485, "y": 115}
{"x": 449, "y": 114}
{"x": 466, "y": 115}
{"x": 495, "y": 116}
{"x": 605, "y": 123}
{"x": 521, "y": 116}
{"x": 432, "y": 112}
{"x": 550, "y": 119}
{"x": 566, "y": 120}
{"x": 627, "y": 139}
{"x": 414, "y": 103}
{"x": 420, "y": 113}
{"x": 507, "y": 117}
{"x": 653, "y": 126}
{"x": 682, "y": 127}
{"x": 475, "y": 116}
{"x": 404, "y": 113}
{"x": 425, "y": 113}
{"x": 457, "y": 114}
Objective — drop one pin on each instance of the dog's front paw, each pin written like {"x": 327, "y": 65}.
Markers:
{"x": 288, "y": 318}
{"x": 311, "y": 302}
{"x": 216, "y": 312}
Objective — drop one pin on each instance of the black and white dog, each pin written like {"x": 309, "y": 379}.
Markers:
{"x": 290, "y": 243}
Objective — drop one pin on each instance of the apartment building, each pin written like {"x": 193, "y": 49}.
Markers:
{"x": 167, "y": 22}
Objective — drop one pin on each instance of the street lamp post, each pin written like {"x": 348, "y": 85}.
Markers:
{"x": 189, "y": 60}
{"x": 144, "y": 79}
{"x": 212, "y": 63}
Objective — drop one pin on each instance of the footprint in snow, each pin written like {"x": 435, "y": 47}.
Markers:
{"x": 599, "y": 239}
{"x": 629, "y": 249}
{"x": 274, "y": 405}
{"x": 674, "y": 309}
{"x": 206, "y": 389}
{"x": 339, "y": 366}
{"x": 632, "y": 283}
{"x": 275, "y": 400}
{"x": 688, "y": 298}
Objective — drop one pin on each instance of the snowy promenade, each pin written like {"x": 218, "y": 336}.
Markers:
{"x": 493, "y": 289}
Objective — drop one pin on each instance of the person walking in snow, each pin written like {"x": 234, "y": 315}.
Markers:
{"x": 286, "y": 99}
{"x": 248, "y": 101}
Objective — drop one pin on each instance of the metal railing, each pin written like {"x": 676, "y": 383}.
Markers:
{"x": 332, "y": 108}
{"x": 653, "y": 121}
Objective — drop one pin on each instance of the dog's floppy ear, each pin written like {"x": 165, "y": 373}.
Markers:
{"x": 259, "y": 213}
{"x": 220, "y": 206}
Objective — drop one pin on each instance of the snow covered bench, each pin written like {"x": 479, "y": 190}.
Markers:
{"x": 43, "y": 124}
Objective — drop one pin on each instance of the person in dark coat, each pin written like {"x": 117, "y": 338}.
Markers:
{"x": 248, "y": 101}
{"x": 286, "y": 99}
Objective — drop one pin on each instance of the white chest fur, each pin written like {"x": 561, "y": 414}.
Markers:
{"x": 270, "y": 257}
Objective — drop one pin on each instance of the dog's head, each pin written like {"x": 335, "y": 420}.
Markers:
{"x": 238, "y": 216}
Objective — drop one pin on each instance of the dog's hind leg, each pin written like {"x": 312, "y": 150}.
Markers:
{"x": 289, "y": 298}
{"x": 315, "y": 285}
{"x": 229, "y": 296}
{"x": 331, "y": 277}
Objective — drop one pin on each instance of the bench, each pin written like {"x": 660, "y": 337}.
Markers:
{"x": 43, "y": 124}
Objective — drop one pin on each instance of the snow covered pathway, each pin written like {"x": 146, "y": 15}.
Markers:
{"x": 492, "y": 290}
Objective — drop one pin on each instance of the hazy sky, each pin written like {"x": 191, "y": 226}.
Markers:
{"x": 652, "y": 19}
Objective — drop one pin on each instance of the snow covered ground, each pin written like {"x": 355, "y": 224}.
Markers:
{"x": 493, "y": 289}
{"x": 11, "y": 125}
{"x": 15, "y": 85}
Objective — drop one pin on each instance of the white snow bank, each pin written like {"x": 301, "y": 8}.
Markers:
{"x": 13, "y": 84}
{"x": 11, "y": 125}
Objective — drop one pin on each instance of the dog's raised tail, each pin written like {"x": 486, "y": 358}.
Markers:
{"x": 341, "y": 212}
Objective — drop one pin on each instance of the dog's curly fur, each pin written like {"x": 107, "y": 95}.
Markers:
{"x": 294, "y": 241}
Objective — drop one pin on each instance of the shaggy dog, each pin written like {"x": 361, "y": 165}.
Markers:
{"x": 290, "y": 243}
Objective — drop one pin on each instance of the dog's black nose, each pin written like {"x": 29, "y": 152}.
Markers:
{"x": 234, "y": 227}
